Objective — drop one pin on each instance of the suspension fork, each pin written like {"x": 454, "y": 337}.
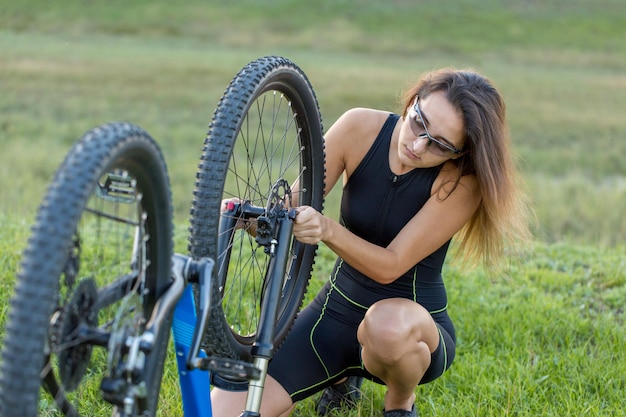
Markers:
{"x": 276, "y": 230}
{"x": 263, "y": 348}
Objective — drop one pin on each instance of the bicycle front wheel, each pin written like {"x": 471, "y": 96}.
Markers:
{"x": 266, "y": 130}
{"x": 98, "y": 259}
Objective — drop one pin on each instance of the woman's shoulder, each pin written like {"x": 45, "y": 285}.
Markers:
{"x": 358, "y": 127}
{"x": 364, "y": 119}
{"x": 352, "y": 135}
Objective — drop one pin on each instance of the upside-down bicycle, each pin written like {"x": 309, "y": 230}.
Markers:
{"x": 99, "y": 288}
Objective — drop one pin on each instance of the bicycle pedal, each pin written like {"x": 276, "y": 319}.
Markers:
{"x": 229, "y": 367}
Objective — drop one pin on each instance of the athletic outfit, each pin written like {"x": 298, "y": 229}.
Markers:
{"x": 376, "y": 204}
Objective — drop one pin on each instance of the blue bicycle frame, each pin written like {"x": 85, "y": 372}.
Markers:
{"x": 194, "y": 384}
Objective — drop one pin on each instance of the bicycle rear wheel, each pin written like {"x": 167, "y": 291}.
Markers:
{"x": 265, "y": 131}
{"x": 98, "y": 259}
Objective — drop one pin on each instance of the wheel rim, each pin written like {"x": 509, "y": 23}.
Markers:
{"x": 268, "y": 148}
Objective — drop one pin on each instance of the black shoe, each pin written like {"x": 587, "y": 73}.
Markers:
{"x": 401, "y": 413}
{"x": 345, "y": 394}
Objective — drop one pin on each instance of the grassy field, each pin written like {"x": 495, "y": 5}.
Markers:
{"x": 546, "y": 339}
{"x": 560, "y": 65}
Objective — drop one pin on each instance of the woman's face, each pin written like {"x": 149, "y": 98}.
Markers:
{"x": 431, "y": 133}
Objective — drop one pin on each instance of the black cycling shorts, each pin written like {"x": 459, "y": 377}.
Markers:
{"x": 322, "y": 348}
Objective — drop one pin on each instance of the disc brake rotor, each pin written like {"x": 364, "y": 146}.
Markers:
{"x": 280, "y": 196}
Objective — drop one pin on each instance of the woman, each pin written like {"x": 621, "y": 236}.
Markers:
{"x": 411, "y": 183}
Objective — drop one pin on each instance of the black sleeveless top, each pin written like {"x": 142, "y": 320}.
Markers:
{"x": 376, "y": 204}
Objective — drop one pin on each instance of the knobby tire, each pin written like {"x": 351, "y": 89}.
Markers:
{"x": 266, "y": 127}
{"x": 109, "y": 198}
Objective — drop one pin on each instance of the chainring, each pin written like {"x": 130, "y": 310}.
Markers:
{"x": 74, "y": 354}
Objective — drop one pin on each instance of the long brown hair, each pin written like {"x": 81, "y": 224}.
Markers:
{"x": 501, "y": 219}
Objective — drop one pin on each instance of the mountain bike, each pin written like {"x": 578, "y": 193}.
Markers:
{"x": 99, "y": 288}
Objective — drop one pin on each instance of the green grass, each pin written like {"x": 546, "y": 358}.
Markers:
{"x": 546, "y": 339}
{"x": 543, "y": 339}
{"x": 564, "y": 109}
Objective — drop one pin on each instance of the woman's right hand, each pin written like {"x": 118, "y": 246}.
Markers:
{"x": 230, "y": 205}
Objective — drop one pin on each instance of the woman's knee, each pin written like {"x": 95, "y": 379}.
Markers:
{"x": 389, "y": 324}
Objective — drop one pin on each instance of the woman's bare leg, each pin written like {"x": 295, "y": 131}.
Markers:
{"x": 276, "y": 401}
{"x": 397, "y": 337}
